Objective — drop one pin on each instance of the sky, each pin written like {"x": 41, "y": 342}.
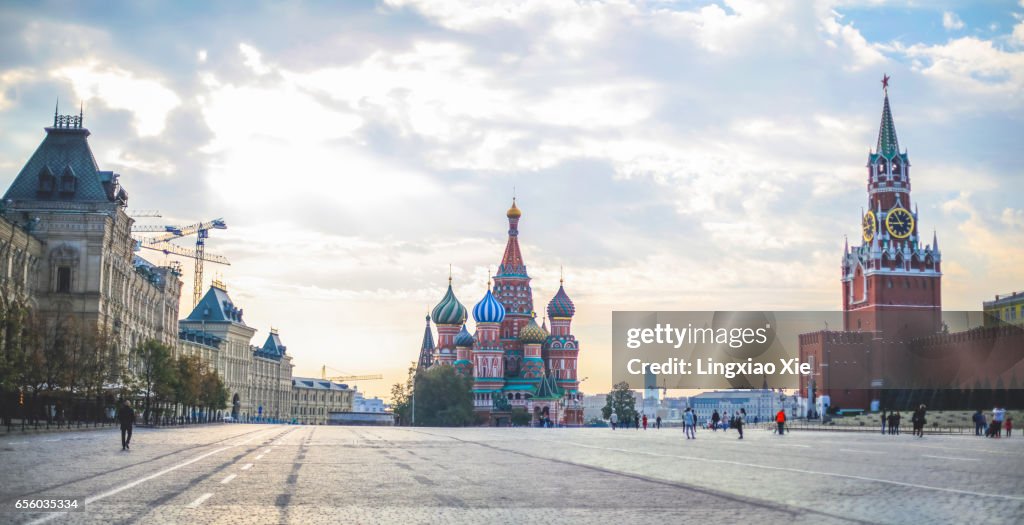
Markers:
{"x": 670, "y": 155}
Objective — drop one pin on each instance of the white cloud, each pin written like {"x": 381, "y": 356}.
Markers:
{"x": 253, "y": 59}
{"x": 147, "y": 99}
{"x": 201, "y": 56}
{"x": 951, "y": 21}
{"x": 971, "y": 64}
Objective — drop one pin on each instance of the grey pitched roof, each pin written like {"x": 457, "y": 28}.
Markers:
{"x": 272, "y": 348}
{"x": 64, "y": 152}
{"x": 216, "y": 307}
{"x": 317, "y": 384}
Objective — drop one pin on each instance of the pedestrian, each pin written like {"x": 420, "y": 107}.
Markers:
{"x": 998, "y": 415}
{"x": 740, "y": 420}
{"x": 979, "y": 423}
{"x": 884, "y": 420}
{"x": 896, "y": 423}
{"x": 715, "y": 418}
{"x": 919, "y": 420}
{"x": 890, "y": 420}
{"x": 636, "y": 421}
{"x": 645, "y": 421}
{"x": 614, "y": 418}
{"x": 780, "y": 420}
{"x": 657, "y": 423}
{"x": 690, "y": 424}
{"x": 1008, "y": 425}
{"x": 126, "y": 416}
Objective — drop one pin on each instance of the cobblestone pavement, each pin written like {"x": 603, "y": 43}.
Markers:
{"x": 287, "y": 474}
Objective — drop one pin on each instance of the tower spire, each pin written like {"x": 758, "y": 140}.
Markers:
{"x": 887, "y": 144}
{"x": 512, "y": 261}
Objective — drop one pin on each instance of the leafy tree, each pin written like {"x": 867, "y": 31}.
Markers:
{"x": 443, "y": 398}
{"x": 156, "y": 371}
{"x": 401, "y": 397}
{"x": 621, "y": 401}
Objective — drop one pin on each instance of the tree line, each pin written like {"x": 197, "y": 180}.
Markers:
{"x": 63, "y": 369}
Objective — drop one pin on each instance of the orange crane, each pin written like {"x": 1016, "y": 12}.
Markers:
{"x": 324, "y": 376}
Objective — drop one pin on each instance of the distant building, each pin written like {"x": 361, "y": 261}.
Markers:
{"x": 1008, "y": 308}
{"x": 760, "y": 405}
{"x": 314, "y": 400}
{"x": 361, "y": 403}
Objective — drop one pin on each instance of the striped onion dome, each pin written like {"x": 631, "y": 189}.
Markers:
{"x": 463, "y": 338}
{"x": 489, "y": 310}
{"x": 449, "y": 310}
{"x": 531, "y": 334}
{"x": 561, "y": 305}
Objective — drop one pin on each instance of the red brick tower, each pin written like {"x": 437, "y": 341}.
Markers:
{"x": 892, "y": 283}
{"x": 512, "y": 289}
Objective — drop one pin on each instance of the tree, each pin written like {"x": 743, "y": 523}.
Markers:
{"x": 157, "y": 372}
{"x": 444, "y": 398}
{"x": 401, "y": 397}
{"x": 621, "y": 401}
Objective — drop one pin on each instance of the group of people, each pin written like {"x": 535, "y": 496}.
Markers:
{"x": 636, "y": 422}
{"x": 891, "y": 421}
{"x": 993, "y": 428}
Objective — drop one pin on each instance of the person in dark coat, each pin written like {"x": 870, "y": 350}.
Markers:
{"x": 919, "y": 421}
{"x": 885, "y": 419}
{"x": 636, "y": 421}
{"x": 896, "y": 423}
{"x": 715, "y": 418}
{"x": 126, "y": 416}
{"x": 979, "y": 423}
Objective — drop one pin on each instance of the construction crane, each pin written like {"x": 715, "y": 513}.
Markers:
{"x": 201, "y": 230}
{"x": 370, "y": 377}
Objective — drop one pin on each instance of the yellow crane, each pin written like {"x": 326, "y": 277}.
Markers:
{"x": 324, "y": 376}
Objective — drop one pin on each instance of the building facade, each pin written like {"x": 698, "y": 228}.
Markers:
{"x": 80, "y": 262}
{"x": 1007, "y": 308}
{"x": 258, "y": 378}
{"x": 314, "y": 400}
{"x": 515, "y": 362}
{"x": 761, "y": 405}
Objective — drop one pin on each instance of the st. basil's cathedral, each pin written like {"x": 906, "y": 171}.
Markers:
{"x": 515, "y": 363}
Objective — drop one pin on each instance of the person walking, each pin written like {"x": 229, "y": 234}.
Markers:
{"x": 126, "y": 416}
{"x": 657, "y": 423}
{"x": 884, "y": 420}
{"x": 1008, "y": 425}
{"x": 690, "y": 424}
{"x": 780, "y": 420}
{"x": 919, "y": 420}
{"x": 740, "y": 419}
{"x": 645, "y": 421}
{"x": 979, "y": 423}
{"x": 614, "y": 418}
{"x": 715, "y": 418}
{"x": 636, "y": 421}
{"x": 896, "y": 423}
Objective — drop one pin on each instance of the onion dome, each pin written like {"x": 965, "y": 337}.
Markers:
{"x": 489, "y": 310}
{"x": 463, "y": 338}
{"x": 449, "y": 310}
{"x": 561, "y": 305}
{"x": 531, "y": 334}
{"x": 513, "y": 212}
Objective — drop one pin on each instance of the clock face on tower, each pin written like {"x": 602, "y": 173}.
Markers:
{"x": 869, "y": 225}
{"x": 900, "y": 223}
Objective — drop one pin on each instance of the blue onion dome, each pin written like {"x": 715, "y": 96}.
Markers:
{"x": 489, "y": 310}
{"x": 531, "y": 334}
{"x": 449, "y": 310}
{"x": 463, "y": 338}
{"x": 561, "y": 305}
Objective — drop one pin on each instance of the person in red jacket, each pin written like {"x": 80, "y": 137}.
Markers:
{"x": 780, "y": 419}
{"x": 645, "y": 421}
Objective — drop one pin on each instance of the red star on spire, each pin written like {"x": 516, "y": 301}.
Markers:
{"x": 885, "y": 82}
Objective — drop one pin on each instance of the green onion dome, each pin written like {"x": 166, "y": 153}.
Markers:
{"x": 449, "y": 310}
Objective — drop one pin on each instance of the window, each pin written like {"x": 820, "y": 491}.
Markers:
{"x": 64, "y": 279}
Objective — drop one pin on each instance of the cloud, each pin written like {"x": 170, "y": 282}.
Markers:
{"x": 147, "y": 99}
{"x": 971, "y": 64}
{"x": 951, "y": 21}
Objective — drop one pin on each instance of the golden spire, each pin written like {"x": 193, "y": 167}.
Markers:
{"x": 513, "y": 212}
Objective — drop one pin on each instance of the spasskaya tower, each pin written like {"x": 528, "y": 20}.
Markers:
{"x": 892, "y": 281}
